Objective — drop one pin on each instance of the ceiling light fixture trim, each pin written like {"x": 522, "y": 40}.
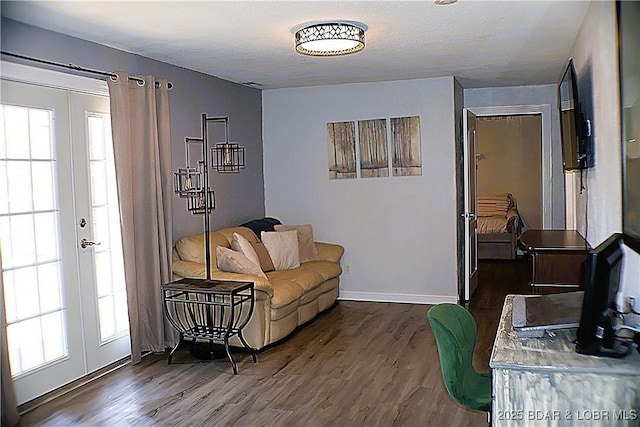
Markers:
{"x": 330, "y": 38}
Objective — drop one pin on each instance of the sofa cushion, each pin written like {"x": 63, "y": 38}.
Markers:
{"x": 323, "y": 288}
{"x": 266, "y": 264}
{"x": 308, "y": 276}
{"x": 285, "y": 292}
{"x": 306, "y": 245}
{"x": 240, "y": 244}
{"x": 191, "y": 248}
{"x": 283, "y": 248}
{"x": 235, "y": 262}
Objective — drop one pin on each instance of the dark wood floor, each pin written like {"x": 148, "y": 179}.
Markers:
{"x": 497, "y": 279}
{"x": 360, "y": 363}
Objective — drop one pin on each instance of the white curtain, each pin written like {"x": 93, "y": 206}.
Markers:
{"x": 142, "y": 149}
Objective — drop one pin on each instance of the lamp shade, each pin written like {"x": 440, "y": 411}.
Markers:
{"x": 330, "y": 38}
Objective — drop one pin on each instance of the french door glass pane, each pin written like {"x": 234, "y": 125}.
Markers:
{"x": 19, "y": 185}
{"x": 25, "y": 352}
{"x": 3, "y": 152}
{"x": 4, "y": 190}
{"x": 101, "y": 233}
{"x": 43, "y": 197}
{"x": 16, "y": 126}
{"x": 49, "y": 287}
{"x": 53, "y": 333}
{"x": 40, "y": 134}
{"x": 31, "y": 268}
{"x": 99, "y": 183}
{"x": 109, "y": 263}
{"x": 47, "y": 246}
{"x": 26, "y": 292}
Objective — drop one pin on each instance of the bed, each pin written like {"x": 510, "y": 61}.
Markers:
{"x": 499, "y": 226}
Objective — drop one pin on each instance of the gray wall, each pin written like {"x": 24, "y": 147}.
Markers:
{"x": 239, "y": 197}
{"x": 531, "y": 95}
{"x": 399, "y": 232}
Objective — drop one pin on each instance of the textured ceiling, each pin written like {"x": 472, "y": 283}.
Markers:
{"x": 482, "y": 43}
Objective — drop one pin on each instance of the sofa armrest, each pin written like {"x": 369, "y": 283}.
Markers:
{"x": 189, "y": 270}
{"x": 329, "y": 251}
{"x": 193, "y": 270}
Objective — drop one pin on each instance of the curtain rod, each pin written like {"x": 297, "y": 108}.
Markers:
{"x": 78, "y": 68}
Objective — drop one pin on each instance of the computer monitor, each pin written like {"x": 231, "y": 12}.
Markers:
{"x": 596, "y": 335}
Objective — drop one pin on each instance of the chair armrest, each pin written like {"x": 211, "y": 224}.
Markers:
{"x": 193, "y": 270}
{"x": 329, "y": 251}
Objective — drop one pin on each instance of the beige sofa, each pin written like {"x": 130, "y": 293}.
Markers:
{"x": 284, "y": 300}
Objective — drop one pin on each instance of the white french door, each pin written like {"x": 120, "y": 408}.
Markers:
{"x": 470, "y": 205}
{"x": 61, "y": 250}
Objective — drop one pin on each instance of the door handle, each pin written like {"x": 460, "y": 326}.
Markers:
{"x": 85, "y": 243}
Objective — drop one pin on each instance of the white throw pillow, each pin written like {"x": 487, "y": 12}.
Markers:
{"x": 283, "y": 248}
{"x": 306, "y": 244}
{"x": 240, "y": 244}
{"x": 235, "y": 262}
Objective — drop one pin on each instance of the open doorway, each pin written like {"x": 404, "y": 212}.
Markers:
{"x": 547, "y": 169}
{"x": 509, "y": 154}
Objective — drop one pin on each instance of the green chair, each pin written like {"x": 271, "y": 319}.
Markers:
{"x": 455, "y": 332}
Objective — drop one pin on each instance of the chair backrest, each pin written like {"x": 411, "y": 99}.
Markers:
{"x": 455, "y": 332}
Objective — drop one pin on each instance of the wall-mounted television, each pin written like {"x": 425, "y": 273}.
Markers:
{"x": 576, "y": 154}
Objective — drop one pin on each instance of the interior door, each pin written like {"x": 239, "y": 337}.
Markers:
{"x": 65, "y": 304}
{"x": 470, "y": 205}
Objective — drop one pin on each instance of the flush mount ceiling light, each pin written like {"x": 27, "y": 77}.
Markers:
{"x": 330, "y": 38}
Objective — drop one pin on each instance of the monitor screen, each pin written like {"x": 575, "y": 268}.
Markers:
{"x": 599, "y": 307}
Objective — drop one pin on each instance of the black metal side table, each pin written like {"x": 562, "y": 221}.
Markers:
{"x": 213, "y": 310}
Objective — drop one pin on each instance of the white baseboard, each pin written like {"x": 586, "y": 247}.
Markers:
{"x": 401, "y": 298}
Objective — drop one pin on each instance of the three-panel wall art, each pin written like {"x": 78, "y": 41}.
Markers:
{"x": 371, "y": 137}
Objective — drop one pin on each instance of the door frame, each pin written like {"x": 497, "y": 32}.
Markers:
{"x": 547, "y": 149}
{"x": 55, "y": 79}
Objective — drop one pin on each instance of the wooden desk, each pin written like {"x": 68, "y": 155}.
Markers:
{"x": 558, "y": 259}
{"x": 544, "y": 382}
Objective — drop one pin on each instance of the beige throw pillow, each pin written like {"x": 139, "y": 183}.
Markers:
{"x": 235, "y": 262}
{"x": 240, "y": 244}
{"x": 306, "y": 244}
{"x": 283, "y": 248}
